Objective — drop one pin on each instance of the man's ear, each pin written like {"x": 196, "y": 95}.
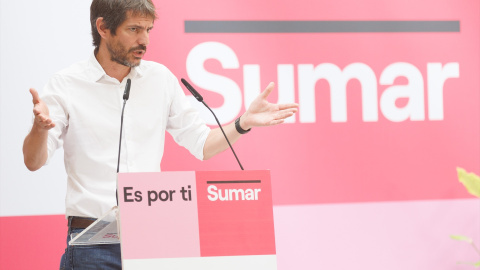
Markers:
{"x": 101, "y": 29}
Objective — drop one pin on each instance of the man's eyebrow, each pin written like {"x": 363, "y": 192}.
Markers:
{"x": 136, "y": 26}
{"x": 139, "y": 26}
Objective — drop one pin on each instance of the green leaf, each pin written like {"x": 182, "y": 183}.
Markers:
{"x": 477, "y": 264}
{"x": 461, "y": 238}
{"x": 471, "y": 181}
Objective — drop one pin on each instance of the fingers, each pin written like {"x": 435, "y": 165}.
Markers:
{"x": 44, "y": 122}
{"x": 46, "y": 126}
{"x": 276, "y": 122}
{"x": 37, "y": 109}
{"x": 285, "y": 114}
{"x": 279, "y": 117}
{"x": 287, "y": 106}
{"x": 35, "y": 97}
{"x": 42, "y": 119}
{"x": 267, "y": 90}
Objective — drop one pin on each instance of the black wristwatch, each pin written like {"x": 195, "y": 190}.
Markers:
{"x": 239, "y": 128}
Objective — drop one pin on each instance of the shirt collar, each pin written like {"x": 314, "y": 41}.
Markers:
{"x": 97, "y": 72}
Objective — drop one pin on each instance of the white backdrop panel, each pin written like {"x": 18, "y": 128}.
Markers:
{"x": 37, "y": 39}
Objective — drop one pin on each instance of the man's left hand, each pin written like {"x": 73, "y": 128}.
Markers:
{"x": 263, "y": 113}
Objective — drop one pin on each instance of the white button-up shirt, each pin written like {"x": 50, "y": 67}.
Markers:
{"x": 85, "y": 104}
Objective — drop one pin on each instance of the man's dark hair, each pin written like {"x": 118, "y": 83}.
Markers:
{"x": 114, "y": 13}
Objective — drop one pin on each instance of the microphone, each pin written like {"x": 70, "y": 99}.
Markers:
{"x": 126, "y": 95}
{"x": 192, "y": 90}
{"x": 200, "y": 99}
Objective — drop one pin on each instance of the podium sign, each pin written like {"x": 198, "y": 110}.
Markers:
{"x": 197, "y": 220}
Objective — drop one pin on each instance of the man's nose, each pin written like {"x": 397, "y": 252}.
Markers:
{"x": 144, "y": 38}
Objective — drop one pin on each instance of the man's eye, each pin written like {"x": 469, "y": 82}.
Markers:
{"x": 133, "y": 29}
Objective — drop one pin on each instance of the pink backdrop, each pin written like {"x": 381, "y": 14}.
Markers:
{"x": 353, "y": 161}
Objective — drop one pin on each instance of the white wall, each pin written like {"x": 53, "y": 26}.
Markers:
{"x": 37, "y": 39}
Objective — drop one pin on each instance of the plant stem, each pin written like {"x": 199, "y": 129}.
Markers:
{"x": 476, "y": 249}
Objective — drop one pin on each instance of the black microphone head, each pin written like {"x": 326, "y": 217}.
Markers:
{"x": 126, "y": 93}
{"x": 192, "y": 90}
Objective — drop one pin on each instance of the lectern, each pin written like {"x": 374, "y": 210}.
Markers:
{"x": 191, "y": 220}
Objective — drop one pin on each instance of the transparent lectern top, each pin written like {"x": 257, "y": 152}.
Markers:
{"x": 103, "y": 231}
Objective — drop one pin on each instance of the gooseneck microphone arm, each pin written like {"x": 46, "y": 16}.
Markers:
{"x": 200, "y": 99}
{"x": 126, "y": 95}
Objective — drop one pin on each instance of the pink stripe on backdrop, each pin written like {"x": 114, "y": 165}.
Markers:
{"x": 393, "y": 235}
{"x": 32, "y": 242}
{"x": 377, "y": 236}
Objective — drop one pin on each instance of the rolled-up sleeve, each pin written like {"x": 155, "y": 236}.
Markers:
{"x": 57, "y": 106}
{"x": 185, "y": 125}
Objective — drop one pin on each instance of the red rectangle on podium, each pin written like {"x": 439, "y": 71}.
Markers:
{"x": 235, "y": 213}
{"x": 206, "y": 220}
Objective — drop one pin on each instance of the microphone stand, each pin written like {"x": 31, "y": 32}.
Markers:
{"x": 126, "y": 95}
{"x": 200, "y": 99}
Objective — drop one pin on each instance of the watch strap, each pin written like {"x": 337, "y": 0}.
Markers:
{"x": 239, "y": 128}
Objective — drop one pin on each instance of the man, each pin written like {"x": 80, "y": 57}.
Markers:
{"x": 80, "y": 111}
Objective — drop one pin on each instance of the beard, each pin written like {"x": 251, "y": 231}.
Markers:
{"x": 120, "y": 54}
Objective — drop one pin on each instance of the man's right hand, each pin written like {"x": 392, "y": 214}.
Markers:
{"x": 35, "y": 144}
{"x": 40, "y": 110}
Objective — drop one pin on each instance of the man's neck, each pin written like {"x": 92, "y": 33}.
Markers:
{"x": 111, "y": 68}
